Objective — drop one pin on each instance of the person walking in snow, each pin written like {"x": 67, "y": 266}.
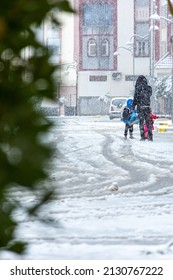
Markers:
{"x": 141, "y": 99}
{"x": 152, "y": 119}
{"x": 125, "y": 117}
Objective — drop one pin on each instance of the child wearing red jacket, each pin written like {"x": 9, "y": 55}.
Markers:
{"x": 152, "y": 118}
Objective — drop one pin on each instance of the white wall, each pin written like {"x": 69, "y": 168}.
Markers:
{"x": 67, "y": 37}
{"x": 125, "y": 59}
{"x": 67, "y": 48}
{"x": 88, "y": 88}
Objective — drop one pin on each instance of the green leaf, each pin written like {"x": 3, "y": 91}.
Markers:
{"x": 170, "y": 6}
{"x": 17, "y": 247}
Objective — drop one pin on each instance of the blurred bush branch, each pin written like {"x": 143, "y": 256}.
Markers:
{"x": 23, "y": 84}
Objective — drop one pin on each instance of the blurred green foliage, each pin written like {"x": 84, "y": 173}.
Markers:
{"x": 23, "y": 84}
{"x": 170, "y": 6}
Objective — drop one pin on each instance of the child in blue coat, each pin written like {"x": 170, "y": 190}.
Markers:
{"x": 126, "y": 118}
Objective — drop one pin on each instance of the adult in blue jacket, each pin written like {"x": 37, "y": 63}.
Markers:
{"x": 141, "y": 100}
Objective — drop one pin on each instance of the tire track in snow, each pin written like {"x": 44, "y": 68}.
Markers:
{"x": 139, "y": 178}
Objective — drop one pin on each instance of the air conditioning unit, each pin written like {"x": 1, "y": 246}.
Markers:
{"x": 116, "y": 75}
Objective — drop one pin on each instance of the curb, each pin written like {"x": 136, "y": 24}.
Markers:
{"x": 164, "y": 126}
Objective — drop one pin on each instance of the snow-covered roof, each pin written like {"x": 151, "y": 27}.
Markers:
{"x": 165, "y": 62}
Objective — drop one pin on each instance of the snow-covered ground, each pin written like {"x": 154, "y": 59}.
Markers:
{"x": 92, "y": 219}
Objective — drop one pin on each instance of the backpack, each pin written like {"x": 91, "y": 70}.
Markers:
{"x": 134, "y": 119}
{"x": 126, "y": 113}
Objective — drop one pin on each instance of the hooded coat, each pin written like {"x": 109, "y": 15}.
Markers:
{"x": 128, "y": 126}
{"x": 127, "y": 106}
{"x": 142, "y": 94}
{"x": 141, "y": 99}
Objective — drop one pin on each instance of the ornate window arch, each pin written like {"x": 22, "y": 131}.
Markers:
{"x": 104, "y": 47}
{"x": 92, "y": 47}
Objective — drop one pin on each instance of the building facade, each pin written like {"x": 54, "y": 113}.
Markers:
{"x": 105, "y": 46}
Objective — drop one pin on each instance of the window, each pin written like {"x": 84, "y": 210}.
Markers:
{"x": 98, "y": 33}
{"x": 142, "y": 27}
{"x": 104, "y": 48}
{"x": 141, "y": 48}
{"x": 97, "y": 14}
{"x": 92, "y": 47}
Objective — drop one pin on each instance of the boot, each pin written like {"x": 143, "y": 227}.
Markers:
{"x": 150, "y": 137}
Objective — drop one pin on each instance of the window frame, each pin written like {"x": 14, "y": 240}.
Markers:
{"x": 105, "y": 44}
{"x": 141, "y": 48}
{"x": 92, "y": 48}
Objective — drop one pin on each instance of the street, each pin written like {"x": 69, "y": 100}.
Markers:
{"x": 114, "y": 197}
